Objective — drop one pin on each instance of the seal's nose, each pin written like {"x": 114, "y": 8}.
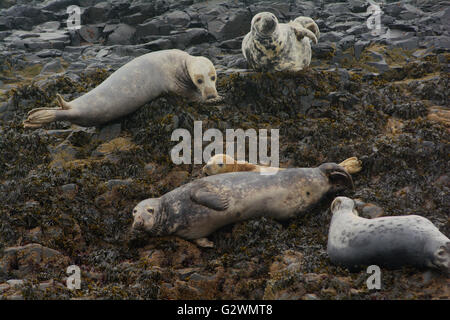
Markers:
{"x": 210, "y": 93}
{"x": 138, "y": 223}
{"x": 269, "y": 24}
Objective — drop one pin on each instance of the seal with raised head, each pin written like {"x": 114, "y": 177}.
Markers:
{"x": 273, "y": 46}
{"x": 390, "y": 242}
{"x": 197, "y": 209}
{"x": 131, "y": 86}
{"x": 222, "y": 163}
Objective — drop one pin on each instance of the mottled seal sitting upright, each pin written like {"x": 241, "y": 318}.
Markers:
{"x": 197, "y": 209}
{"x": 273, "y": 46}
{"x": 131, "y": 86}
{"x": 391, "y": 242}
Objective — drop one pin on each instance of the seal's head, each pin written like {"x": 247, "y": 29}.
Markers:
{"x": 220, "y": 163}
{"x": 264, "y": 24}
{"x": 144, "y": 215}
{"x": 203, "y": 75}
{"x": 441, "y": 259}
{"x": 339, "y": 178}
{"x": 343, "y": 204}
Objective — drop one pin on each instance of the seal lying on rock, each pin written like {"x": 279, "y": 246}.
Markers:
{"x": 273, "y": 46}
{"x": 131, "y": 86}
{"x": 391, "y": 242}
{"x": 197, "y": 209}
{"x": 222, "y": 163}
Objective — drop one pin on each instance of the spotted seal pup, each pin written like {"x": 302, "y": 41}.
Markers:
{"x": 273, "y": 46}
{"x": 391, "y": 242}
{"x": 195, "y": 210}
{"x": 131, "y": 86}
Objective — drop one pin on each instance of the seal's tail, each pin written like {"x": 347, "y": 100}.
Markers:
{"x": 40, "y": 116}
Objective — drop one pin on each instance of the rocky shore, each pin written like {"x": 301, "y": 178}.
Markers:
{"x": 66, "y": 192}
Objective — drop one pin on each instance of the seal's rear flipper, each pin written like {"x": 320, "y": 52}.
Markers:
{"x": 204, "y": 243}
{"x": 38, "y": 117}
{"x": 209, "y": 198}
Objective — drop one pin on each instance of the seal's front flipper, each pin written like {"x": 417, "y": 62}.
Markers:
{"x": 309, "y": 24}
{"x": 62, "y": 103}
{"x": 301, "y": 32}
{"x": 204, "y": 243}
{"x": 205, "y": 196}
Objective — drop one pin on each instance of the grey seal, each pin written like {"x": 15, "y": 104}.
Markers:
{"x": 131, "y": 86}
{"x": 391, "y": 242}
{"x": 273, "y": 46}
{"x": 197, "y": 209}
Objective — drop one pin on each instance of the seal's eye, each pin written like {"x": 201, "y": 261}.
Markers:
{"x": 199, "y": 81}
{"x": 213, "y": 78}
{"x": 258, "y": 19}
{"x": 150, "y": 210}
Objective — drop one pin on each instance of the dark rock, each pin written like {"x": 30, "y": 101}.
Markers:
{"x": 346, "y": 42}
{"x": 337, "y": 8}
{"x": 117, "y": 182}
{"x": 381, "y": 66}
{"x": 235, "y": 62}
{"x": 52, "y": 67}
{"x": 439, "y": 44}
{"x": 178, "y": 18}
{"x": 160, "y": 44}
{"x": 109, "y": 132}
{"x": 323, "y": 50}
{"x": 191, "y": 37}
{"x": 234, "y": 44}
{"x": 22, "y": 260}
{"x": 228, "y": 26}
{"x": 48, "y": 26}
{"x": 359, "y": 48}
{"x": 49, "y": 53}
{"x": 89, "y": 33}
{"x": 123, "y": 34}
{"x": 357, "y": 29}
{"x": 96, "y": 14}
{"x": 134, "y": 19}
{"x": 407, "y": 44}
{"x": 56, "y": 5}
{"x": 358, "y": 6}
{"x": 153, "y": 27}
{"x": 332, "y": 36}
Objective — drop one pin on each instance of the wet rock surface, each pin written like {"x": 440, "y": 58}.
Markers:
{"x": 66, "y": 193}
